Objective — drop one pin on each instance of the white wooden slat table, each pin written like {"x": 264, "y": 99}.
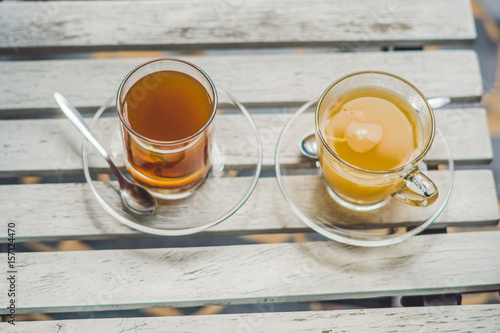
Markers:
{"x": 62, "y": 26}
{"x": 263, "y": 273}
{"x": 472, "y": 318}
{"x": 56, "y": 146}
{"x": 44, "y": 219}
{"x": 256, "y": 80}
{"x": 35, "y": 142}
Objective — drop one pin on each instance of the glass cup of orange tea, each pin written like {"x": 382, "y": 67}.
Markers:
{"x": 166, "y": 109}
{"x": 373, "y": 129}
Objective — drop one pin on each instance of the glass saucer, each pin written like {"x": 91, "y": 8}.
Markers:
{"x": 236, "y": 163}
{"x": 305, "y": 191}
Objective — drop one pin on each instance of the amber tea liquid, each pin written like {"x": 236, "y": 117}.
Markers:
{"x": 167, "y": 106}
{"x": 373, "y": 129}
{"x": 167, "y": 151}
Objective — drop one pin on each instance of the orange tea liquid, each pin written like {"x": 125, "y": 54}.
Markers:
{"x": 373, "y": 129}
{"x": 167, "y": 108}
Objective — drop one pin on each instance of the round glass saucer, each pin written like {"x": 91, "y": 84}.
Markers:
{"x": 303, "y": 187}
{"x": 236, "y": 163}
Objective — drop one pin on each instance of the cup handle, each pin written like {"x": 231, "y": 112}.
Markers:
{"x": 418, "y": 191}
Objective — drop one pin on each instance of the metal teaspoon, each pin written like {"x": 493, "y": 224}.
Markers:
{"x": 134, "y": 197}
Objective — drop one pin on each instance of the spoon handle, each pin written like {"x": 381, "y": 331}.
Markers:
{"x": 438, "y": 102}
{"x": 76, "y": 119}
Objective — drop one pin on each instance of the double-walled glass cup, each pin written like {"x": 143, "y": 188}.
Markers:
{"x": 363, "y": 190}
{"x": 169, "y": 169}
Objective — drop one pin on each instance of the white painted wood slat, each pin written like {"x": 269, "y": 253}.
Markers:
{"x": 263, "y": 273}
{"x": 69, "y": 211}
{"x": 56, "y": 146}
{"x": 440, "y": 319}
{"x": 125, "y": 25}
{"x": 284, "y": 79}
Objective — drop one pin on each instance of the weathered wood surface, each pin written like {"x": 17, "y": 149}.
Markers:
{"x": 262, "y": 273}
{"x": 458, "y": 127}
{"x": 126, "y": 25}
{"x": 272, "y": 79}
{"x": 52, "y": 147}
{"x": 439, "y": 319}
{"x": 69, "y": 211}
{"x": 127, "y": 279}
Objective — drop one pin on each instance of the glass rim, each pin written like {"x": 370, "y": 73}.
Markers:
{"x": 378, "y": 172}
{"x": 201, "y": 130}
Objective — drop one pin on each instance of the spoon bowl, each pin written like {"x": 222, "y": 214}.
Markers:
{"x": 138, "y": 200}
{"x": 309, "y": 147}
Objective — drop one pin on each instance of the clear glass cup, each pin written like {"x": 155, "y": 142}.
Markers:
{"x": 169, "y": 169}
{"x": 364, "y": 190}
